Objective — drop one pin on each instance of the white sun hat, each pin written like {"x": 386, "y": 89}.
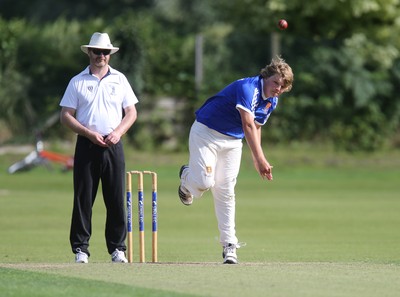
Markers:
{"x": 99, "y": 40}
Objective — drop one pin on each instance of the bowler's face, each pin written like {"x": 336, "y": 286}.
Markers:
{"x": 273, "y": 86}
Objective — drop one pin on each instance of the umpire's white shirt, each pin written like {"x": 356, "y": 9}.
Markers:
{"x": 99, "y": 103}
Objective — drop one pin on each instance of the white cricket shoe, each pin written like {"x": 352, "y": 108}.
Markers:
{"x": 118, "y": 257}
{"x": 229, "y": 253}
{"x": 186, "y": 198}
{"x": 81, "y": 257}
{"x": 184, "y": 194}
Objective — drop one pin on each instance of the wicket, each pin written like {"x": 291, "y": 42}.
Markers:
{"x": 141, "y": 214}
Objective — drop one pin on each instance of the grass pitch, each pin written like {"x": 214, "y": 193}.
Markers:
{"x": 328, "y": 225}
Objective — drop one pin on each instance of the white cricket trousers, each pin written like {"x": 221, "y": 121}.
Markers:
{"x": 214, "y": 164}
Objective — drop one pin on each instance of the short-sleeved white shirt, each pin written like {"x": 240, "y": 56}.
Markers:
{"x": 99, "y": 103}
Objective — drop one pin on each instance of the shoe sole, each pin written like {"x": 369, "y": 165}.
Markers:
{"x": 180, "y": 193}
{"x": 230, "y": 261}
{"x": 183, "y": 200}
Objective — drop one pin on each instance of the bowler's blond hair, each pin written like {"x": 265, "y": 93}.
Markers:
{"x": 279, "y": 66}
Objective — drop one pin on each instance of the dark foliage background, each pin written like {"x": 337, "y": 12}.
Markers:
{"x": 344, "y": 55}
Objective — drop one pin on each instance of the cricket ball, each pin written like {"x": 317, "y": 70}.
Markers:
{"x": 282, "y": 24}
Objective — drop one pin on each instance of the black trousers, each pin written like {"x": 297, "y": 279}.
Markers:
{"x": 93, "y": 164}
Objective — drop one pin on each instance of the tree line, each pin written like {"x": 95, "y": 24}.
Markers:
{"x": 345, "y": 56}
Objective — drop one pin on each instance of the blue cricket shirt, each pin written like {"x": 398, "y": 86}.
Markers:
{"x": 220, "y": 112}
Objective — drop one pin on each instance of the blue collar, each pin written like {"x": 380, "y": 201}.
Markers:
{"x": 107, "y": 74}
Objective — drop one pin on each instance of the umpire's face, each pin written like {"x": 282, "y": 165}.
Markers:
{"x": 99, "y": 57}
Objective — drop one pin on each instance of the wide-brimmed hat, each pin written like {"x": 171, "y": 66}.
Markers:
{"x": 100, "y": 40}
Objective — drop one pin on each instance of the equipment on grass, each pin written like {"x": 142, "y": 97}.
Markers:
{"x": 40, "y": 156}
{"x": 154, "y": 220}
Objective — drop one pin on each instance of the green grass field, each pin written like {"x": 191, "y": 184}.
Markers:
{"x": 328, "y": 225}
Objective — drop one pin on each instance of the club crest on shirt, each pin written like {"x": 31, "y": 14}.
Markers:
{"x": 267, "y": 106}
{"x": 90, "y": 88}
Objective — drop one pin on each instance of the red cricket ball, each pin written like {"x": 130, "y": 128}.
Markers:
{"x": 282, "y": 24}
